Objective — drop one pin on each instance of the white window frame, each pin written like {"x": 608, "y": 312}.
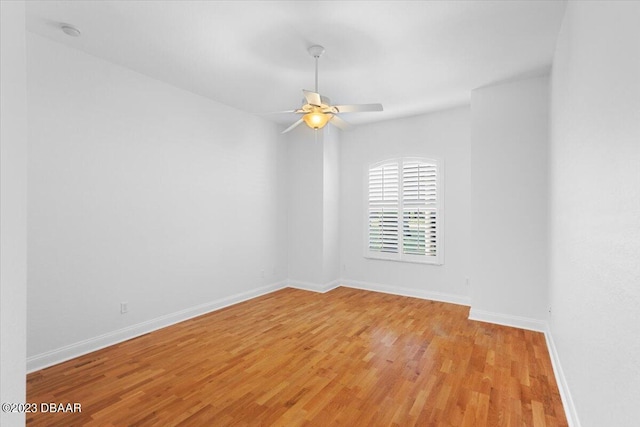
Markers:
{"x": 402, "y": 204}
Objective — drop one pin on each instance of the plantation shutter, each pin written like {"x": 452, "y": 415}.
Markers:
{"x": 383, "y": 208}
{"x": 419, "y": 208}
{"x": 404, "y": 209}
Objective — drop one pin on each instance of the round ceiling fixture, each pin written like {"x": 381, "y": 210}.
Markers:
{"x": 316, "y": 51}
{"x": 70, "y": 30}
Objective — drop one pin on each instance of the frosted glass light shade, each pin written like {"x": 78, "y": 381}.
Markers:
{"x": 316, "y": 120}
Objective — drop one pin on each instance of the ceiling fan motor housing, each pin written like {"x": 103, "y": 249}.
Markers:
{"x": 326, "y": 101}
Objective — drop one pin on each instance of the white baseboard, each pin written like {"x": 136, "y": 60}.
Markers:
{"x": 77, "y": 349}
{"x": 508, "y": 320}
{"x": 563, "y": 387}
{"x": 314, "y": 287}
{"x": 407, "y": 292}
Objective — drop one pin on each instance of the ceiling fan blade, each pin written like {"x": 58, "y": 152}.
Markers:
{"x": 292, "y": 126}
{"x": 287, "y": 113}
{"x": 339, "y": 123}
{"x": 357, "y": 108}
{"x": 298, "y": 111}
{"x": 312, "y": 98}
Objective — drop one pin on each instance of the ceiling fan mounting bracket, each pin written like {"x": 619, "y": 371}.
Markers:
{"x": 316, "y": 51}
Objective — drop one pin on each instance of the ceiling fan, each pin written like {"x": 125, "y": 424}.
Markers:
{"x": 317, "y": 109}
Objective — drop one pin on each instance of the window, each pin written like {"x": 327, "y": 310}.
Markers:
{"x": 404, "y": 213}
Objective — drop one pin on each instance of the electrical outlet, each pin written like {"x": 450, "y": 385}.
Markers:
{"x": 124, "y": 307}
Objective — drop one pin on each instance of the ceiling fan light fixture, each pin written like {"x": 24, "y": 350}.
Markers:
{"x": 317, "y": 110}
{"x": 316, "y": 119}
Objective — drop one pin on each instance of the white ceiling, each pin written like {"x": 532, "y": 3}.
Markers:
{"x": 411, "y": 56}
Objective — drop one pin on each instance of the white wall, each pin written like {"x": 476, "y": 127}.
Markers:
{"x": 595, "y": 209}
{"x": 305, "y": 206}
{"x": 443, "y": 135}
{"x": 331, "y": 208}
{"x": 141, "y": 193}
{"x": 313, "y": 182}
{"x": 509, "y": 146}
{"x": 13, "y": 209}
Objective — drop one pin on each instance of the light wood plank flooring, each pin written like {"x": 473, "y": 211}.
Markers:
{"x": 298, "y": 358}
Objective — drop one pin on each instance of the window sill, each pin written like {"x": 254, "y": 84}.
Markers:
{"x": 407, "y": 261}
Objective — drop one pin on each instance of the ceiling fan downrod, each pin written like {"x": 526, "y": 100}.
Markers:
{"x": 316, "y": 51}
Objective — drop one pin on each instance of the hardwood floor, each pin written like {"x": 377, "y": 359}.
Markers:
{"x": 298, "y": 358}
